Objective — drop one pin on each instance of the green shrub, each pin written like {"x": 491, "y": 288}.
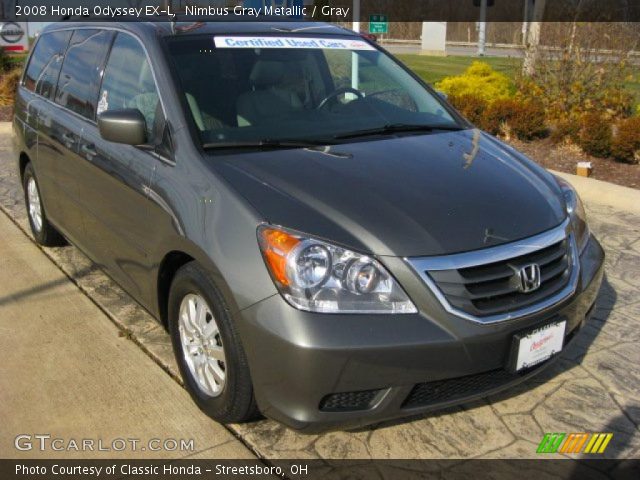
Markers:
{"x": 479, "y": 80}
{"x": 471, "y": 107}
{"x": 594, "y": 135}
{"x": 525, "y": 118}
{"x": 626, "y": 143}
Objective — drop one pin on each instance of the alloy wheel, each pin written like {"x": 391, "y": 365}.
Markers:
{"x": 35, "y": 207}
{"x": 202, "y": 344}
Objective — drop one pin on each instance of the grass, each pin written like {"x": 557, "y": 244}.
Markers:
{"x": 634, "y": 88}
{"x": 434, "y": 69}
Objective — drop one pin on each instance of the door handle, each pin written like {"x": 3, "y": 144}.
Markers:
{"x": 68, "y": 138}
{"x": 89, "y": 150}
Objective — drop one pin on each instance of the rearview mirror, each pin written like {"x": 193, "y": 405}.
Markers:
{"x": 126, "y": 126}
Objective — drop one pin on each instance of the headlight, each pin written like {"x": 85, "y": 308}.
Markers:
{"x": 576, "y": 213}
{"x": 316, "y": 276}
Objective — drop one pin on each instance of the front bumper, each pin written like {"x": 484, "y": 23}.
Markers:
{"x": 389, "y": 366}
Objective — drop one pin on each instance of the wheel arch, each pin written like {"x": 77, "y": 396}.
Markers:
{"x": 23, "y": 161}
{"x": 169, "y": 265}
{"x": 176, "y": 258}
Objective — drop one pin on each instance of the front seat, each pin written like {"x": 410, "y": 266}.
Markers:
{"x": 267, "y": 99}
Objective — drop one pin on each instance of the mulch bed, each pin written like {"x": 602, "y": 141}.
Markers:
{"x": 564, "y": 158}
{"x": 6, "y": 113}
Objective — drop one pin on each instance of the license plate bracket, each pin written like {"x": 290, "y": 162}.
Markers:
{"x": 534, "y": 346}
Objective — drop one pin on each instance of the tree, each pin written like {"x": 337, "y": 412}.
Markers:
{"x": 533, "y": 38}
{"x": 581, "y": 67}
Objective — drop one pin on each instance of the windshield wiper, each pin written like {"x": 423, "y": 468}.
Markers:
{"x": 267, "y": 143}
{"x": 398, "y": 128}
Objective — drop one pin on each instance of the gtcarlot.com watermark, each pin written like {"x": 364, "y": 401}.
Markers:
{"x": 45, "y": 442}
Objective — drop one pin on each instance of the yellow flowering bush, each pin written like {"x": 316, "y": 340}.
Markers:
{"x": 479, "y": 81}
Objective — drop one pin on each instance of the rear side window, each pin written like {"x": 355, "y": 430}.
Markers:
{"x": 80, "y": 76}
{"x": 128, "y": 81}
{"x": 42, "y": 73}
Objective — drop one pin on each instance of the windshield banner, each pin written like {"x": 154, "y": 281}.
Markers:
{"x": 291, "y": 42}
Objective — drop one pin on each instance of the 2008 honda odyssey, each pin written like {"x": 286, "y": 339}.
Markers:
{"x": 326, "y": 239}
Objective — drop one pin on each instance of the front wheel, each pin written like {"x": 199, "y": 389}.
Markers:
{"x": 207, "y": 347}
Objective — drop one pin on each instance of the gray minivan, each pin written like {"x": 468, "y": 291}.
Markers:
{"x": 326, "y": 239}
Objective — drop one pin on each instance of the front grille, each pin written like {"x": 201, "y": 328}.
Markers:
{"x": 492, "y": 288}
{"x": 348, "y": 401}
{"x": 442, "y": 391}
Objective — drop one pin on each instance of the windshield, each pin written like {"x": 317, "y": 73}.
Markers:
{"x": 276, "y": 90}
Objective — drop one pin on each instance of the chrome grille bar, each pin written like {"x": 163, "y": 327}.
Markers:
{"x": 502, "y": 253}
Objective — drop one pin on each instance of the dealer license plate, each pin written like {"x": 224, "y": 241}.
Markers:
{"x": 537, "y": 346}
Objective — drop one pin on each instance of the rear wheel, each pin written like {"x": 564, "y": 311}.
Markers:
{"x": 44, "y": 233}
{"x": 207, "y": 347}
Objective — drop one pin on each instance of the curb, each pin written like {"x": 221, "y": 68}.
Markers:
{"x": 604, "y": 193}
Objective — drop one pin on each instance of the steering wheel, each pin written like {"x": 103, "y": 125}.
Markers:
{"x": 336, "y": 93}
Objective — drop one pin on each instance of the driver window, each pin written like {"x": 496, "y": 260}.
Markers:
{"x": 128, "y": 81}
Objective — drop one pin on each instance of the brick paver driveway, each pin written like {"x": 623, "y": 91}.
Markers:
{"x": 594, "y": 387}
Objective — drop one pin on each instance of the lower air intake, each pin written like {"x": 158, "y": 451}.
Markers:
{"x": 443, "y": 391}
{"x": 348, "y": 401}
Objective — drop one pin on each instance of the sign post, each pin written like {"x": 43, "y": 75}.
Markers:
{"x": 355, "y": 70}
{"x": 356, "y": 16}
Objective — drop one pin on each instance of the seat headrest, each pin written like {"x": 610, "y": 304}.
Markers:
{"x": 266, "y": 73}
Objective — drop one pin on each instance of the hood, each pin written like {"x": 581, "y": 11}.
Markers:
{"x": 414, "y": 195}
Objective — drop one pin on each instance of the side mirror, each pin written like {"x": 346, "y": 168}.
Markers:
{"x": 126, "y": 126}
{"x": 442, "y": 94}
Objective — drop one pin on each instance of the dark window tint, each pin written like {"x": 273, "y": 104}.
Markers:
{"x": 80, "y": 77}
{"x": 128, "y": 81}
{"x": 44, "y": 66}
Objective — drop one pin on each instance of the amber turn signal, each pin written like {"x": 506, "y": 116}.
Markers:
{"x": 275, "y": 245}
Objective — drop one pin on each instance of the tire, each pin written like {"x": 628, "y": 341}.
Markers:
{"x": 44, "y": 233}
{"x": 231, "y": 399}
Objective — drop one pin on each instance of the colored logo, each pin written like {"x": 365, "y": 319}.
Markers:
{"x": 574, "y": 443}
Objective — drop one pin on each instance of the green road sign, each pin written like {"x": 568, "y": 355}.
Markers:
{"x": 378, "y": 24}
